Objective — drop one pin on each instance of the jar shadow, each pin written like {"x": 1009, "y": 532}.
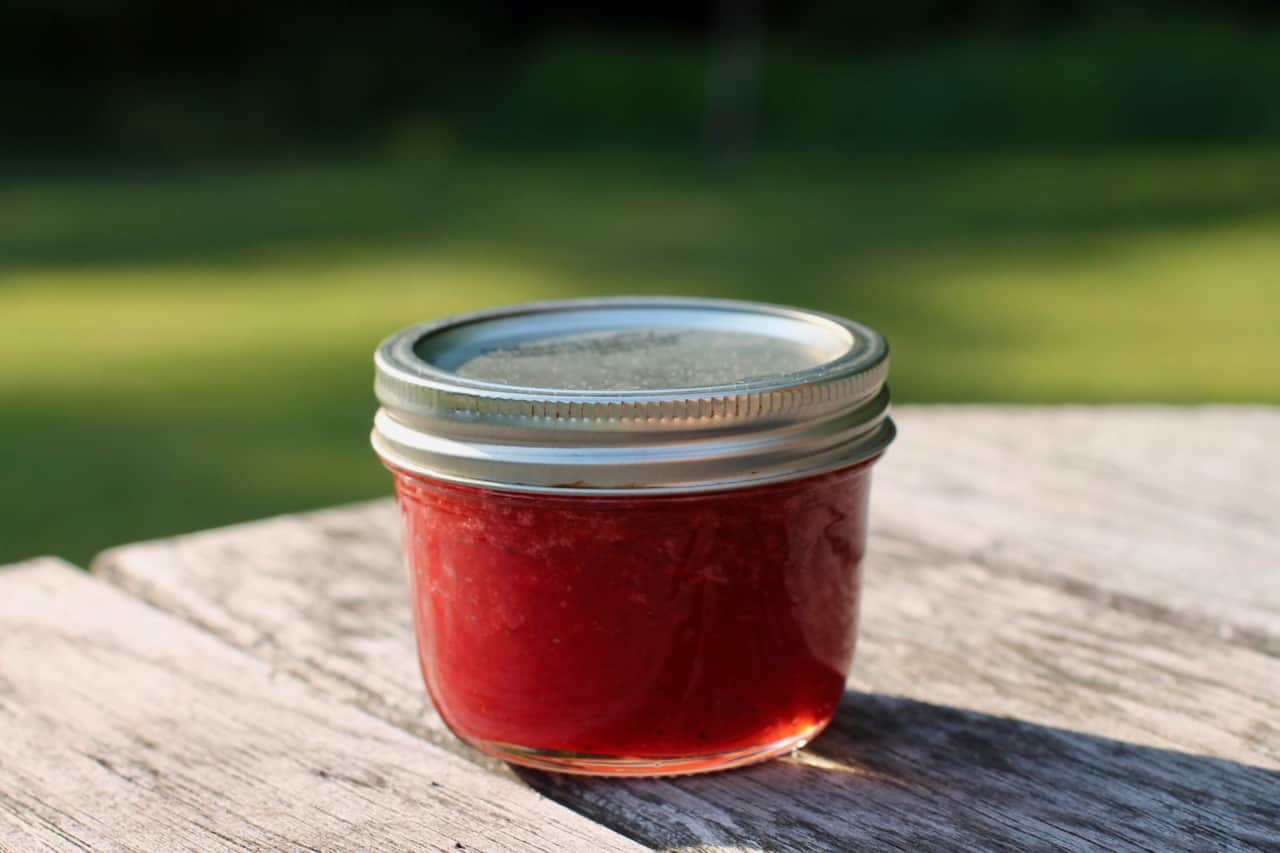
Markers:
{"x": 895, "y": 773}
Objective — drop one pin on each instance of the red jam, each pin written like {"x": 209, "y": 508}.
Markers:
{"x": 601, "y": 633}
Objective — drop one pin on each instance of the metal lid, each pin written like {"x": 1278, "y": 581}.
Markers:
{"x": 616, "y": 395}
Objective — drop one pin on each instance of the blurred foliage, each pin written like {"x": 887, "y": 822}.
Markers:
{"x": 165, "y": 81}
{"x": 1076, "y": 90}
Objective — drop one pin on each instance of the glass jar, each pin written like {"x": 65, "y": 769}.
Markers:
{"x": 634, "y": 527}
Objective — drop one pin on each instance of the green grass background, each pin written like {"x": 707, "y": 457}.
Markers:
{"x": 191, "y": 348}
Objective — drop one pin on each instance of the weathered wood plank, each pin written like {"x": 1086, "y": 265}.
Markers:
{"x": 1173, "y": 511}
{"x": 123, "y": 728}
{"x": 1133, "y": 726}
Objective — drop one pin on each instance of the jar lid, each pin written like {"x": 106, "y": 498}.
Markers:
{"x": 632, "y": 393}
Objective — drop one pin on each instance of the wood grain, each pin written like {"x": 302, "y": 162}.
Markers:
{"x": 122, "y": 728}
{"x": 1006, "y": 698}
{"x": 1170, "y": 511}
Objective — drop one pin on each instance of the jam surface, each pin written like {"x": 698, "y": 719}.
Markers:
{"x": 647, "y": 627}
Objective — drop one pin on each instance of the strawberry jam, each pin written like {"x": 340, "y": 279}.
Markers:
{"x": 680, "y": 630}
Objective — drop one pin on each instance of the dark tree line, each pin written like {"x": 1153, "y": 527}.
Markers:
{"x": 78, "y": 71}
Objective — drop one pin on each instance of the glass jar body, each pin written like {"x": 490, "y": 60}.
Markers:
{"x": 650, "y": 634}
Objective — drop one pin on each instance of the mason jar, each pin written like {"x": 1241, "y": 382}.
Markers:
{"x": 634, "y": 527}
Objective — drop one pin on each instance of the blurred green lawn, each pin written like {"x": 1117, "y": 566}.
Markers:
{"x": 184, "y": 350}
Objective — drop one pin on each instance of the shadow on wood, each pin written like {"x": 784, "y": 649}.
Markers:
{"x": 897, "y": 774}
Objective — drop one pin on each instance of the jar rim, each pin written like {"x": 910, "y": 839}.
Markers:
{"x": 613, "y": 395}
